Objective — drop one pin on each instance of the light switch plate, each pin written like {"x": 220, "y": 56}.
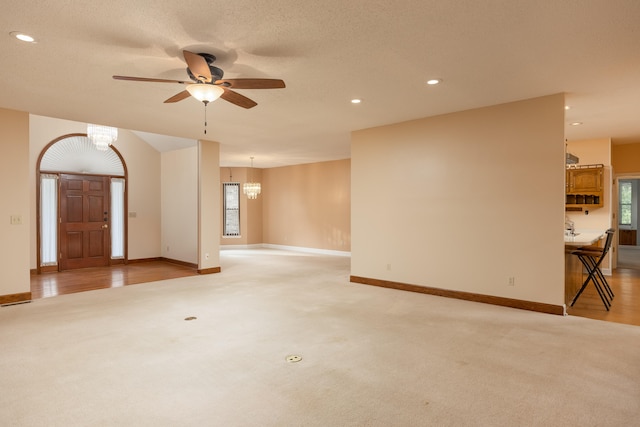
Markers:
{"x": 16, "y": 219}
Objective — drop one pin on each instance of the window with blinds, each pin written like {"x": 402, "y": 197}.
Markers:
{"x": 231, "y": 207}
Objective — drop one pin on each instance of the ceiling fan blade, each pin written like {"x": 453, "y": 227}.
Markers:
{"x": 145, "y": 79}
{"x": 198, "y": 66}
{"x": 178, "y": 97}
{"x": 236, "y": 98}
{"x": 253, "y": 83}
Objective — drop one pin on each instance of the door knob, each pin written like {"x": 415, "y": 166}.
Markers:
{"x": 105, "y": 226}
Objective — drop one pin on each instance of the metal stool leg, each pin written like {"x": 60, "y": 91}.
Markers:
{"x": 603, "y": 281}
{"x": 591, "y": 277}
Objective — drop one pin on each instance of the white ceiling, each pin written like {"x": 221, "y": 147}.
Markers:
{"x": 487, "y": 52}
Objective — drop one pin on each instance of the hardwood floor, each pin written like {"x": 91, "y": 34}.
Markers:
{"x": 624, "y": 282}
{"x": 67, "y": 282}
{"x": 625, "y": 307}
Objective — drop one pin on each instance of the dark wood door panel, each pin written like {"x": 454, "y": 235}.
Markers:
{"x": 96, "y": 186}
{"x": 96, "y": 210}
{"x": 95, "y": 247}
{"x": 72, "y": 211}
{"x": 74, "y": 244}
{"x": 84, "y": 221}
{"x": 74, "y": 183}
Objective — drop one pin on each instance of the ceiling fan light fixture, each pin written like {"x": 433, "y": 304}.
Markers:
{"x": 204, "y": 92}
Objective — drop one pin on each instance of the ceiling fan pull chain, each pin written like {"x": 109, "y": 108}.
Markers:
{"x": 205, "y": 117}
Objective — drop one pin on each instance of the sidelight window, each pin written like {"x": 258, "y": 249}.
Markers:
{"x": 231, "y": 206}
{"x": 48, "y": 219}
{"x": 117, "y": 218}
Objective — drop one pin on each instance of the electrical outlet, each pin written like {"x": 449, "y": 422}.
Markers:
{"x": 512, "y": 281}
{"x": 388, "y": 266}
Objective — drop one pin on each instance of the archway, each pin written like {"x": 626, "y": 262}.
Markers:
{"x": 81, "y": 195}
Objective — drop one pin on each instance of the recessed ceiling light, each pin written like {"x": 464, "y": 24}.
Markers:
{"x": 22, "y": 36}
{"x": 433, "y": 81}
{"x": 576, "y": 123}
{"x": 356, "y": 101}
{"x": 566, "y": 107}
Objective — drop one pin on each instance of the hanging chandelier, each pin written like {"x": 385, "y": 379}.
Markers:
{"x": 250, "y": 188}
{"x": 101, "y": 136}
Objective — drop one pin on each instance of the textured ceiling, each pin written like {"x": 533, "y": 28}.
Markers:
{"x": 486, "y": 52}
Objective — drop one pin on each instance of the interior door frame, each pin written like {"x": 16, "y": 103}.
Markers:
{"x": 125, "y": 260}
{"x": 616, "y": 206}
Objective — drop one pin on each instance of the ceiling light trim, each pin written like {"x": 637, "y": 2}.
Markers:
{"x": 22, "y": 36}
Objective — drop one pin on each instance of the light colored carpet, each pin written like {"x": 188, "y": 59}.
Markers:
{"x": 370, "y": 356}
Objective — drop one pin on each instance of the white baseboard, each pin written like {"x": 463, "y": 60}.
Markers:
{"x": 256, "y": 246}
{"x": 287, "y": 248}
{"x": 307, "y": 250}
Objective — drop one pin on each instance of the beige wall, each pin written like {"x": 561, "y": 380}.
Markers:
{"x": 143, "y": 166}
{"x": 464, "y": 201}
{"x": 308, "y": 205}
{"x": 625, "y": 158}
{"x": 250, "y": 210}
{"x": 14, "y": 190}
{"x": 253, "y": 220}
{"x": 179, "y": 187}
{"x": 208, "y": 205}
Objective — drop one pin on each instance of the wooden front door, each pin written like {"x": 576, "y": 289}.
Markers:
{"x": 84, "y": 221}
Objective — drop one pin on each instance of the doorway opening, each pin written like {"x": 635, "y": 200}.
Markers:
{"x": 628, "y": 206}
{"x": 81, "y": 198}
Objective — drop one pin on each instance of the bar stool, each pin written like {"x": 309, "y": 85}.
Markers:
{"x": 592, "y": 257}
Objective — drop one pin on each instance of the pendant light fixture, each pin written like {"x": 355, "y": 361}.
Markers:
{"x": 101, "y": 136}
{"x": 251, "y": 188}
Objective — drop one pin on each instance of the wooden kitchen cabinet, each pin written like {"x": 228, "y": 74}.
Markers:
{"x": 584, "y": 187}
{"x": 586, "y": 179}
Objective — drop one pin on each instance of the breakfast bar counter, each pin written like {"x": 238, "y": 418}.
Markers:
{"x": 583, "y": 238}
{"x": 573, "y": 278}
